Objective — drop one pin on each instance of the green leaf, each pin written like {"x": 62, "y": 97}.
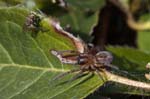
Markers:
{"x": 144, "y": 40}
{"x": 26, "y": 66}
{"x": 7, "y": 14}
{"x": 81, "y": 16}
{"x": 10, "y": 2}
{"x": 143, "y": 36}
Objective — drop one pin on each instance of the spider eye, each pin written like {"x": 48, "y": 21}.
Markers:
{"x": 90, "y": 45}
{"x": 104, "y": 57}
{"x": 82, "y": 59}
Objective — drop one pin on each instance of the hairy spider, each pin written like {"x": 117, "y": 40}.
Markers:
{"x": 90, "y": 60}
{"x": 87, "y": 57}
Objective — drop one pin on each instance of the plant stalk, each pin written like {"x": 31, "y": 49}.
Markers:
{"x": 126, "y": 81}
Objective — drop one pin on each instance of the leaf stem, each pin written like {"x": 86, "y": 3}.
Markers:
{"x": 126, "y": 81}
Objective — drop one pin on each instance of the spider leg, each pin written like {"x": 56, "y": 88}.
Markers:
{"x": 55, "y": 52}
{"x": 78, "y": 75}
{"x": 120, "y": 71}
{"x": 66, "y": 73}
{"x": 100, "y": 76}
{"x": 112, "y": 66}
{"x": 116, "y": 68}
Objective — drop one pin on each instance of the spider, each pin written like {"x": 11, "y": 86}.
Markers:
{"x": 87, "y": 57}
{"x": 90, "y": 60}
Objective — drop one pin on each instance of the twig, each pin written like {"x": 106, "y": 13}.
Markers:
{"x": 147, "y": 76}
{"x": 126, "y": 81}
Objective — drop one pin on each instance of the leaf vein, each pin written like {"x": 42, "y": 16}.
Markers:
{"x": 27, "y": 86}
{"x": 33, "y": 67}
{"x": 67, "y": 88}
{"x": 5, "y": 51}
{"x": 10, "y": 82}
{"x": 43, "y": 53}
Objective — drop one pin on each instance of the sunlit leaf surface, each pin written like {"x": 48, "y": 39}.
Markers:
{"x": 27, "y": 67}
